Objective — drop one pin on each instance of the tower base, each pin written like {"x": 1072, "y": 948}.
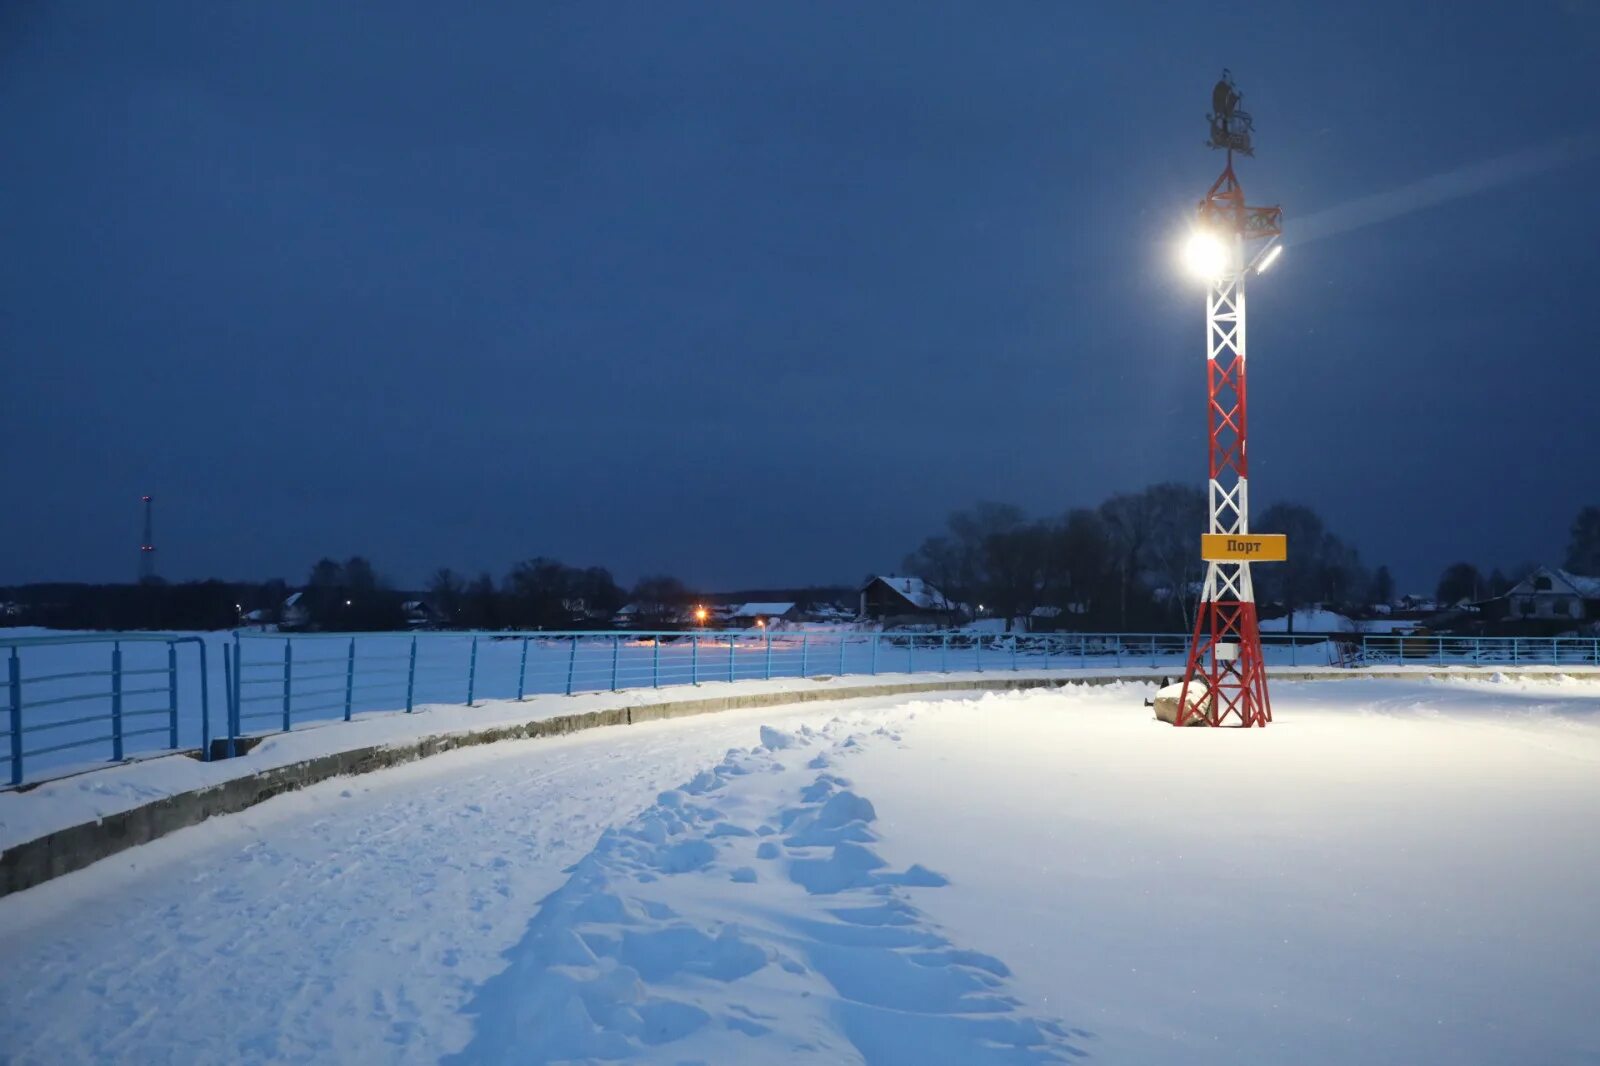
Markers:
{"x": 1225, "y": 681}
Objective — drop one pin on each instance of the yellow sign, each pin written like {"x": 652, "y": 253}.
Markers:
{"x": 1244, "y": 547}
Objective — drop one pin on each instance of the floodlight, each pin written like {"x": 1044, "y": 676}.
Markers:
{"x": 1205, "y": 255}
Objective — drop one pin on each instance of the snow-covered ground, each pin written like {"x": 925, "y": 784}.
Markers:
{"x": 1393, "y": 872}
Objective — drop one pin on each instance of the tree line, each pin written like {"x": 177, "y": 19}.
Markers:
{"x": 1466, "y": 581}
{"x": 1132, "y": 563}
{"x": 1129, "y": 564}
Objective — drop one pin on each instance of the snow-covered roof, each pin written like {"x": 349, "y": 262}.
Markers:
{"x": 763, "y": 610}
{"x": 917, "y": 591}
{"x": 1577, "y": 584}
{"x": 293, "y": 600}
{"x": 1587, "y": 587}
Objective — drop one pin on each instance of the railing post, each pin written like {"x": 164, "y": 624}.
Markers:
{"x": 15, "y": 668}
{"x": 977, "y": 651}
{"x": 1152, "y": 651}
{"x": 616, "y": 652}
{"x": 911, "y": 654}
{"x": 349, "y": 678}
{"x": 472, "y": 670}
{"x": 411, "y": 676}
{"x": 875, "y": 638}
{"x": 172, "y": 695}
{"x": 841, "y": 653}
{"x": 116, "y": 701}
{"x": 236, "y": 717}
{"x": 1294, "y": 651}
{"x": 694, "y": 658}
{"x": 769, "y": 653}
{"x": 655, "y": 661}
{"x": 944, "y": 653}
{"x": 1014, "y": 643}
{"x": 1440, "y": 651}
{"x": 731, "y": 638}
{"x": 1515, "y": 642}
{"x": 1118, "y": 653}
{"x": 288, "y": 678}
{"x": 572, "y": 662}
{"x": 205, "y": 702}
{"x": 1083, "y": 651}
{"x": 522, "y": 671}
{"x": 1049, "y": 642}
{"x": 804, "y": 639}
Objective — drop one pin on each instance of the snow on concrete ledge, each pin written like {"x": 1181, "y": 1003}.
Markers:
{"x": 68, "y": 823}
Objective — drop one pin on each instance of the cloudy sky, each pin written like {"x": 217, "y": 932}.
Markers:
{"x": 756, "y": 293}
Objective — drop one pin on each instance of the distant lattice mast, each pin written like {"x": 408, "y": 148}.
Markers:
{"x": 147, "y": 548}
{"x": 1225, "y": 680}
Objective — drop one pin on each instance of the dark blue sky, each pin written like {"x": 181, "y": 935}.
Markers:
{"x": 756, "y": 293}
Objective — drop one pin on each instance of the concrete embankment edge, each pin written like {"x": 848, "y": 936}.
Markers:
{"x": 36, "y": 861}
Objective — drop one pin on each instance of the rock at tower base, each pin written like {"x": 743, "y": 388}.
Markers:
{"x": 1166, "y": 704}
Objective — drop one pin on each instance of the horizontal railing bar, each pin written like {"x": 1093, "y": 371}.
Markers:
{"x": 298, "y": 694}
{"x": 337, "y": 705}
{"x": 119, "y": 637}
{"x": 145, "y": 691}
{"x": 299, "y": 677}
{"x": 28, "y": 730}
{"x": 55, "y": 700}
{"x": 64, "y": 747}
{"x": 145, "y": 712}
{"x": 42, "y": 678}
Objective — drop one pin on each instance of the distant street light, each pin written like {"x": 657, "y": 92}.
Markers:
{"x": 700, "y": 615}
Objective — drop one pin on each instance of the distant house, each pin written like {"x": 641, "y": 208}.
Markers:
{"x": 420, "y": 615}
{"x": 295, "y": 613}
{"x": 895, "y": 600}
{"x": 1552, "y": 595}
{"x": 763, "y": 614}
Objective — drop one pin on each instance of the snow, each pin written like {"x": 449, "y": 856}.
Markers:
{"x": 763, "y": 610}
{"x": 917, "y": 591}
{"x": 1396, "y": 871}
{"x": 1587, "y": 587}
{"x": 1310, "y": 620}
{"x": 87, "y": 797}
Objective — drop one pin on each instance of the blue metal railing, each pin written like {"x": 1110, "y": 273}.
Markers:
{"x": 122, "y": 694}
{"x": 95, "y": 691}
{"x": 276, "y": 680}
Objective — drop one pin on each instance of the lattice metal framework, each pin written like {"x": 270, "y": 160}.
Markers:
{"x": 1225, "y": 681}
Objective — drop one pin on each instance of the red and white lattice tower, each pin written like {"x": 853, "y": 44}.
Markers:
{"x": 1225, "y": 681}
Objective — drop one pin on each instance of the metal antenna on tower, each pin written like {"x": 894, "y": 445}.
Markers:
{"x": 147, "y": 549}
{"x": 1225, "y": 680}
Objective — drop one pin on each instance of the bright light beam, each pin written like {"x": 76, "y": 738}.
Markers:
{"x": 1205, "y": 256}
{"x": 1270, "y": 258}
{"x": 1442, "y": 188}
